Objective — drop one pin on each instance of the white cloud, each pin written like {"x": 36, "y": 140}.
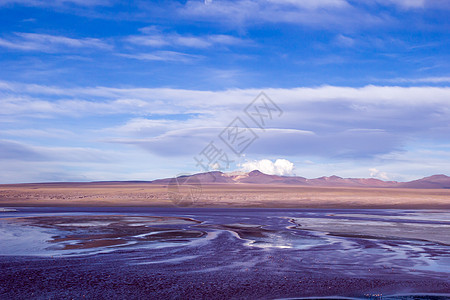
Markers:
{"x": 282, "y": 167}
{"x": 326, "y": 121}
{"x": 163, "y": 56}
{"x": 344, "y": 130}
{"x": 46, "y": 3}
{"x": 49, "y": 43}
{"x": 378, "y": 174}
{"x": 312, "y": 4}
{"x": 331, "y": 14}
{"x": 42, "y": 133}
{"x": 154, "y": 100}
{"x": 315, "y": 13}
{"x": 155, "y": 38}
{"x": 344, "y": 41}
{"x": 405, "y": 3}
{"x": 440, "y": 79}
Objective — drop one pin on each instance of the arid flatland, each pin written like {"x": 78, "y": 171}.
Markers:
{"x": 218, "y": 195}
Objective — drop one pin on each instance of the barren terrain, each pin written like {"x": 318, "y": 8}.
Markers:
{"x": 218, "y": 195}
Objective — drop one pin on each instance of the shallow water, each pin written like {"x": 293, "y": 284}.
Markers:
{"x": 363, "y": 244}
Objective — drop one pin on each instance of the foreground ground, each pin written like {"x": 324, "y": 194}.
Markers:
{"x": 218, "y": 195}
{"x": 198, "y": 253}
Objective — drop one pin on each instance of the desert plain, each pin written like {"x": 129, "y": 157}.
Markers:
{"x": 219, "y": 195}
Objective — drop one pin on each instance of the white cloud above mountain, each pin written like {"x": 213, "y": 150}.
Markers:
{"x": 282, "y": 167}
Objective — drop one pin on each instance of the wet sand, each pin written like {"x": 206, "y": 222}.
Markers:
{"x": 111, "y": 277}
{"x": 90, "y": 231}
{"x": 194, "y": 253}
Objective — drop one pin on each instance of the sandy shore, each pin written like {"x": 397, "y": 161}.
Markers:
{"x": 218, "y": 195}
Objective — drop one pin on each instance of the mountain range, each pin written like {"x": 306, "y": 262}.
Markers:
{"x": 257, "y": 177}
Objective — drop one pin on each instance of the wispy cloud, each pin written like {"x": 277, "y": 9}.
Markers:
{"x": 312, "y": 4}
{"x": 39, "y": 133}
{"x": 170, "y": 100}
{"x": 322, "y": 14}
{"x": 50, "y": 43}
{"x": 13, "y": 150}
{"x": 335, "y": 15}
{"x": 440, "y": 79}
{"x": 339, "y": 123}
{"x": 153, "y": 37}
{"x": 320, "y": 123}
{"x": 344, "y": 41}
{"x": 45, "y": 3}
{"x": 173, "y": 47}
{"x": 173, "y": 56}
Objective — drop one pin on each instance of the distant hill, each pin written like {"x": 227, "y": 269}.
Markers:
{"x": 432, "y": 182}
{"x": 257, "y": 177}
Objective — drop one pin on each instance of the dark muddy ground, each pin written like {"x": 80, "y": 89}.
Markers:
{"x": 223, "y": 254}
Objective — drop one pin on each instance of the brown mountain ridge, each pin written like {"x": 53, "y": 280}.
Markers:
{"x": 257, "y": 177}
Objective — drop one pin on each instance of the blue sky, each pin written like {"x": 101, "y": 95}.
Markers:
{"x": 111, "y": 90}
